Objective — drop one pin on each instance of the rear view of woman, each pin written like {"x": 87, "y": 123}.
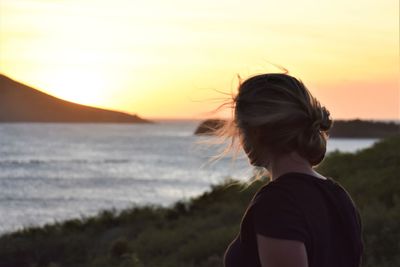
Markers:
{"x": 300, "y": 218}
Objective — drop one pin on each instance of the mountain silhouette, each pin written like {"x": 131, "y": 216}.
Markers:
{"x": 21, "y": 103}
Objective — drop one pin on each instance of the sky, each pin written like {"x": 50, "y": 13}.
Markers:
{"x": 181, "y": 58}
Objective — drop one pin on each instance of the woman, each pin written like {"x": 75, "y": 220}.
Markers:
{"x": 300, "y": 218}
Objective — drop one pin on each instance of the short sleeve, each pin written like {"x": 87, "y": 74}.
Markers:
{"x": 275, "y": 214}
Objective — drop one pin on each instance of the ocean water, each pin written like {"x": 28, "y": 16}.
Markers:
{"x": 52, "y": 172}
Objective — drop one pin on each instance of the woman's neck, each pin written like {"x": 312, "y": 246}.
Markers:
{"x": 290, "y": 162}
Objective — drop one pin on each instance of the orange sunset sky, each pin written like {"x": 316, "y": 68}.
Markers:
{"x": 166, "y": 59}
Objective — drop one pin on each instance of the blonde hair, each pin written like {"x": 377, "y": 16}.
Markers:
{"x": 285, "y": 114}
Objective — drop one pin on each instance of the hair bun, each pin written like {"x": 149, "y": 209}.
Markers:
{"x": 320, "y": 119}
{"x": 326, "y": 121}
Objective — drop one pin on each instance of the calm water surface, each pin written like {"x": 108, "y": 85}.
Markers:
{"x": 58, "y": 171}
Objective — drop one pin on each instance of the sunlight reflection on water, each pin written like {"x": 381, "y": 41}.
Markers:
{"x": 57, "y": 171}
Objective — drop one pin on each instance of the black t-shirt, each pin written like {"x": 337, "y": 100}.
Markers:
{"x": 298, "y": 206}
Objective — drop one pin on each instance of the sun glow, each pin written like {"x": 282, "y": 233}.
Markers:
{"x": 155, "y": 58}
{"x": 78, "y": 86}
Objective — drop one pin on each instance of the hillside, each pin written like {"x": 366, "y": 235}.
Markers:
{"x": 196, "y": 232}
{"x": 21, "y": 103}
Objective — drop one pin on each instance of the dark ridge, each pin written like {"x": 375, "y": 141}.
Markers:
{"x": 341, "y": 128}
{"x": 364, "y": 129}
{"x": 21, "y": 103}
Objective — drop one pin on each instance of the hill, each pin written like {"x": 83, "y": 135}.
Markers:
{"x": 21, "y": 103}
{"x": 196, "y": 232}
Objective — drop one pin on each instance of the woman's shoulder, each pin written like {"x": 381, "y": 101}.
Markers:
{"x": 294, "y": 187}
{"x": 273, "y": 192}
{"x": 275, "y": 212}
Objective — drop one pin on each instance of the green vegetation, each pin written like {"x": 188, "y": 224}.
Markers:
{"x": 196, "y": 232}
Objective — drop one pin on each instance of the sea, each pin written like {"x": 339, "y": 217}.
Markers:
{"x": 54, "y": 171}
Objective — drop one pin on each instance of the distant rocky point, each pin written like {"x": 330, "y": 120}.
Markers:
{"x": 208, "y": 127}
{"x": 341, "y": 128}
{"x": 21, "y": 103}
